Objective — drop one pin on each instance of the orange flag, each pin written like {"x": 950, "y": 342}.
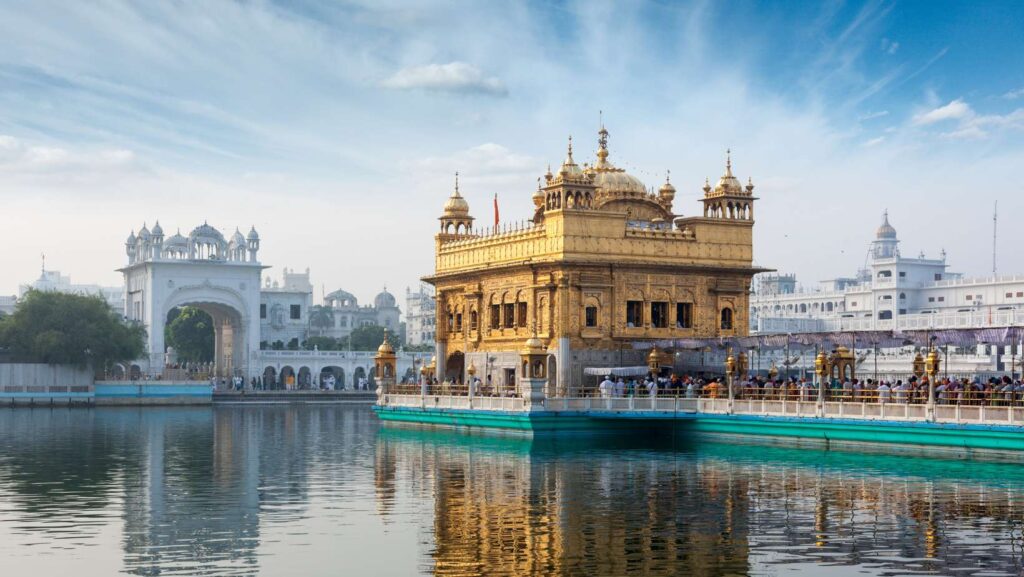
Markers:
{"x": 495, "y": 210}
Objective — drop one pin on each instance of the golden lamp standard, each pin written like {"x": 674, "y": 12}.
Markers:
{"x": 932, "y": 366}
{"x": 821, "y": 369}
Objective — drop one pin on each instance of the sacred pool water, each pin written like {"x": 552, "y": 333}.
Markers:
{"x": 325, "y": 490}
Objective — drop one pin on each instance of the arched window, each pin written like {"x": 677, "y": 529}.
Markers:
{"x": 727, "y": 319}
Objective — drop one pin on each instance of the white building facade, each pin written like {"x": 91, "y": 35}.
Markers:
{"x": 420, "y": 316}
{"x": 53, "y": 281}
{"x": 899, "y": 293}
{"x": 893, "y": 292}
{"x": 251, "y": 317}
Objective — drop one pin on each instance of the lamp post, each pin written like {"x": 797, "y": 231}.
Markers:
{"x": 730, "y": 374}
{"x": 821, "y": 369}
{"x": 932, "y": 368}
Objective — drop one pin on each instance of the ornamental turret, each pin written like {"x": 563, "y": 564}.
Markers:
{"x": 729, "y": 199}
{"x": 456, "y": 219}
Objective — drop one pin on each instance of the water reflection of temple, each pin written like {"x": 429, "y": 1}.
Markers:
{"x": 515, "y": 507}
{"x": 509, "y": 508}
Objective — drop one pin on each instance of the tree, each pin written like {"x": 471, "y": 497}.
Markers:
{"x": 190, "y": 332}
{"x": 369, "y": 337}
{"x": 68, "y": 329}
{"x": 321, "y": 343}
{"x": 321, "y": 317}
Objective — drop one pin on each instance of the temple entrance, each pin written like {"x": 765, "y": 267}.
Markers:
{"x": 454, "y": 369}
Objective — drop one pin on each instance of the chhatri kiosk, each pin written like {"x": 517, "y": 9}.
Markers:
{"x": 604, "y": 263}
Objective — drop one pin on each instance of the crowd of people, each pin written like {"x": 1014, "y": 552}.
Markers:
{"x": 994, "y": 391}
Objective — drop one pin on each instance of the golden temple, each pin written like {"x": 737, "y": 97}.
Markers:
{"x": 604, "y": 263}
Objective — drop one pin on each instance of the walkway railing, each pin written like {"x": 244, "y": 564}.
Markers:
{"x": 993, "y": 409}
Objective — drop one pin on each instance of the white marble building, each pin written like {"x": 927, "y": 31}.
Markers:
{"x": 224, "y": 277}
{"x": 892, "y": 292}
{"x": 895, "y": 292}
{"x": 52, "y": 280}
{"x": 420, "y": 316}
{"x": 204, "y": 270}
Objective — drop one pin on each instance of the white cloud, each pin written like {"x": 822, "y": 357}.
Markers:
{"x": 1014, "y": 94}
{"x": 484, "y": 160}
{"x": 873, "y": 115}
{"x": 890, "y": 46}
{"x": 969, "y": 124}
{"x": 451, "y": 77}
{"x": 874, "y": 141}
{"x": 955, "y": 110}
{"x": 20, "y": 157}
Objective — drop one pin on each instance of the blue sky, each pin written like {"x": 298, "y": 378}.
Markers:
{"x": 335, "y": 128}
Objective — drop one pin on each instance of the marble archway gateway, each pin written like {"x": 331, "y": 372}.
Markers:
{"x": 204, "y": 270}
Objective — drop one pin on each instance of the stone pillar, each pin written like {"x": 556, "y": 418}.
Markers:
{"x": 533, "y": 379}
{"x": 384, "y": 361}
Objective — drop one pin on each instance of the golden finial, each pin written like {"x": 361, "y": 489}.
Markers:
{"x": 668, "y": 177}
{"x": 570, "y": 146}
{"x": 728, "y": 162}
{"x": 456, "y": 182}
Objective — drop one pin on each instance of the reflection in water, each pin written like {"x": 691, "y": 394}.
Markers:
{"x": 322, "y": 490}
{"x": 512, "y": 506}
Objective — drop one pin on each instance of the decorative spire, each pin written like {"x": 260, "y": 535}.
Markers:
{"x": 728, "y": 162}
{"x": 668, "y": 177}
{"x": 456, "y": 183}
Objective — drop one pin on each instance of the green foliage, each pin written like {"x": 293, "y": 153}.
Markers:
{"x": 277, "y": 345}
{"x": 190, "y": 332}
{"x": 419, "y": 348}
{"x": 369, "y": 337}
{"x": 66, "y": 329}
{"x": 293, "y": 345}
{"x": 321, "y": 343}
{"x": 321, "y": 317}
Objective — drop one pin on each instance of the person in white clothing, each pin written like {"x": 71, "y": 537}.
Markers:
{"x": 884, "y": 392}
{"x": 605, "y": 388}
{"x": 652, "y": 387}
{"x": 620, "y": 387}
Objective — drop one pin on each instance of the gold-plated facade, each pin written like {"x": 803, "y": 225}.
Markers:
{"x": 602, "y": 264}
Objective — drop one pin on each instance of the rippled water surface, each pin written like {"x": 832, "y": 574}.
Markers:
{"x": 324, "y": 490}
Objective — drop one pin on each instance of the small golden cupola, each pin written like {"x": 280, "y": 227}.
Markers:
{"x": 729, "y": 199}
{"x": 456, "y": 218}
{"x": 667, "y": 192}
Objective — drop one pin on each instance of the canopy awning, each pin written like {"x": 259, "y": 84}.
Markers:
{"x": 616, "y": 371}
{"x": 849, "y": 339}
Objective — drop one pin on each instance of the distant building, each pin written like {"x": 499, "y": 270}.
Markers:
{"x": 53, "y": 281}
{"x": 892, "y": 292}
{"x": 285, "y": 308}
{"x": 224, "y": 277}
{"x": 346, "y": 314}
{"x": 7, "y": 304}
{"x": 420, "y": 316}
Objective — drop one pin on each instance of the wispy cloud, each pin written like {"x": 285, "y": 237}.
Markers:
{"x": 1014, "y": 94}
{"x": 889, "y": 46}
{"x": 450, "y": 77}
{"x": 873, "y": 115}
{"x": 20, "y": 157}
{"x": 969, "y": 124}
{"x": 955, "y": 110}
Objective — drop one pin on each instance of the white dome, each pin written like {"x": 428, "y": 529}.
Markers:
{"x": 252, "y": 234}
{"x": 207, "y": 233}
{"x": 176, "y": 241}
{"x": 384, "y": 300}
{"x": 157, "y": 229}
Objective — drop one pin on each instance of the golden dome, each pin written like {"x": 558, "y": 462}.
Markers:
{"x": 385, "y": 347}
{"x": 885, "y": 231}
{"x": 570, "y": 169}
{"x": 667, "y": 191}
{"x": 728, "y": 184}
{"x": 609, "y": 179}
{"x": 456, "y": 205}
